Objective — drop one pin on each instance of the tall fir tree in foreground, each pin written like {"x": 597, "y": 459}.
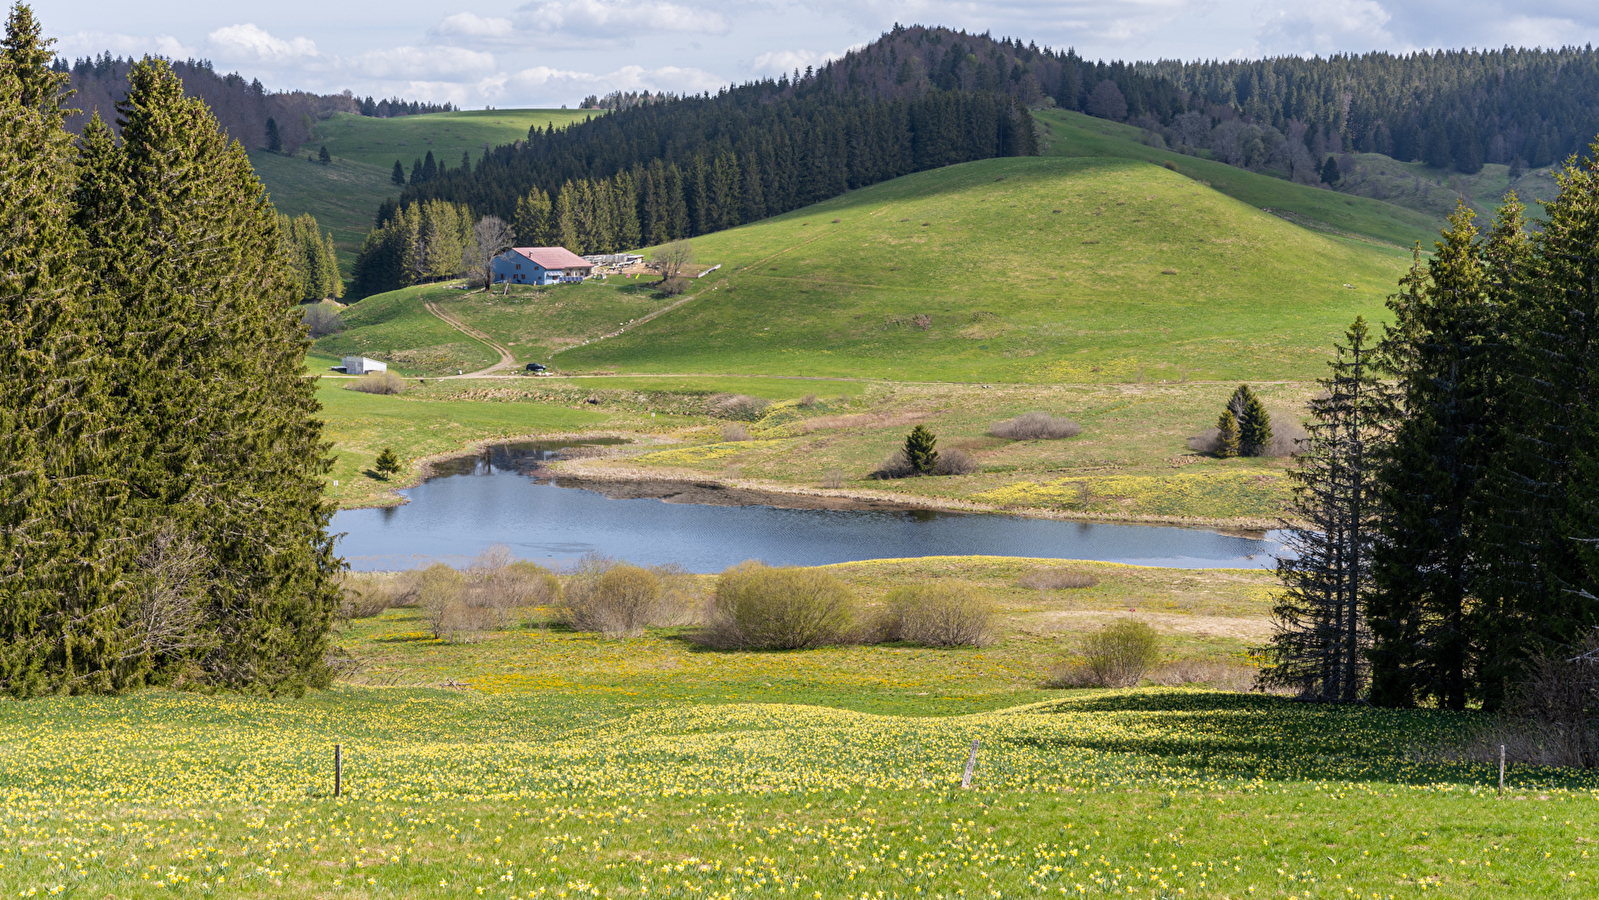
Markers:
{"x": 1321, "y": 637}
{"x": 58, "y": 501}
{"x": 218, "y": 442}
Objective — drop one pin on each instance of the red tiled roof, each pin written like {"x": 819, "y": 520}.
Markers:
{"x": 554, "y": 257}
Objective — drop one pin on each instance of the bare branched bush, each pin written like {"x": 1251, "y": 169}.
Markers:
{"x": 762, "y": 608}
{"x": 808, "y": 401}
{"x": 500, "y": 584}
{"x": 939, "y": 615}
{"x": 1056, "y": 580}
{"x": 322, "y": 319}
{"x": 1224, "y": 674}
{"x": 738, "y": 406}
{"x": 895, "y": 465}
{"x": 735, "y": 432}
{"x": 1118, "y": 656}
{"x": 439, "y": 590}
{"x": 833, "y": 480}
{"x": 1035, "y": 426}
{"x": 169, "y": 613}
{"x": 610, "y": 597}
{"x": 364, "y": 595}
{"x": 378, "y": 383}
{"x": 956, "y": 462}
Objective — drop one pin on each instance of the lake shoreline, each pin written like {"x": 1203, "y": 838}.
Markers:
{"x": 602, "y": 475}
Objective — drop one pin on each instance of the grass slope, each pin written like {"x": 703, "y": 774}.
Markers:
{"x": 398, "y": 328}
{"x": 1077, "y": 135}
{"x": 1078, "y": 270}
{"x": 343, "y": 196}
{"x": 379, "y": 142}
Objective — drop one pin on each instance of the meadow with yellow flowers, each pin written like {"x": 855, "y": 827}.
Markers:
{"x": 535, "y": 762}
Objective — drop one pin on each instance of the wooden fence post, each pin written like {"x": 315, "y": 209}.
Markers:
{"x": 1501, "y": 770}
{"x": 338, "y": 770}
{"x": 971, "y": 764}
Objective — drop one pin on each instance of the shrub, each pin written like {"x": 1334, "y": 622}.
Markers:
{"x": 674, "y": 285}
{"x": 1056, "y": 580}
{"x": 322, "y": 319}
{"x": 377, "y": 383}
{"x": 612, "y": 598}
{"x": 364, "y": 595}
{"x": 762, "y": 608}
{"x": 438, "y": 592}
{"x": 731, "y": 432}
{"x": 896, "y": 465}
{"x": 1121, "y": 654}
{"x": 939, "y": 615}
{"x": 833, "y": 480}
{"x": 1218, "y": 673}
{"x": 956, "y": 462}
{"x": 500, "y": 584}
{"x": 1035, "y": 426}
{"x": 1286, "y": 433}
{"x": 738, "y": 406}
{"x": 808, "y": 401}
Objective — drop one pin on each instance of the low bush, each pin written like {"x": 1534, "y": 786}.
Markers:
{"x": 612, "y": 598}
{"x": 738, "y": 406}
{"x": 1286, "y": 433}
{"x": 833, "y": 480}
{"x": 439, "y": 590}
{"x": 950, "y": 462}
{"x": 733, "y": 432}
{"x": 758, "y": 607}
{"x": 1118, "y": 656}
{"x": 322, "y": 319}
{"x": 1056, "y": 580}
{"x": 1035, "y": 426}
{"x": 939, "y": 615}
{"x": 673, "y": 286}
{"x": 377, "y": 383}
{"x": 896, "y": 465}
{"x": 500, "y": 584}
{"x": 366, "y": 594}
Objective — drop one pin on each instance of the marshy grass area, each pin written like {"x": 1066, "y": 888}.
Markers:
{"x": 535, "y": 761}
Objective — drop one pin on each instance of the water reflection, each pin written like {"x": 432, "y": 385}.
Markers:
{"x": 492, "y": 499}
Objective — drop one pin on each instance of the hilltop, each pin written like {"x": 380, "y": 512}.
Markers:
{"x": 1017, "y": 270}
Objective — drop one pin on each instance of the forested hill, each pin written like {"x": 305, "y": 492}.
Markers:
{"x": 242, "y": 108}
{"x": 703, "y": 163}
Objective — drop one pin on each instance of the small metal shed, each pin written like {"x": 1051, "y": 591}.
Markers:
{"x": 360, "y": 365}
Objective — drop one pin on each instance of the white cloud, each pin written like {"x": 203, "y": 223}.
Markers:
{"x": 474, "y": 27}
{"x": 618, "y": 18}
{"x": 1321, "y": 28}
{"x": 247, "y": 43}
{"x": 778, "y": 62}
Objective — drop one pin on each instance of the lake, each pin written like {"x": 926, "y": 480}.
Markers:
{"x": 498, "y": 497}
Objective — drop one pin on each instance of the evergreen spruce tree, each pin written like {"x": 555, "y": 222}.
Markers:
{"x": 1329, "y": 172}
{"x": 218, "y": 441}
{"x": 58, "y": 497}
{"x": 323, "y": 156}
{"x": 532, "y": 223}
{"x": 920, "y": 452}
{"x": 387, "y": 463}
{"x": 1227, "y": 435}
{"x": 1321, "y": 637}
{"x": 274, "y": 138}
{"x": 430, "y": 167}
{"x": 1254, "y": 423}
{"x": 398, "y": 175}
{"x": 564, "y": 228}
{"x": 1426, "y": 565}
{"x": 416, "y": 171}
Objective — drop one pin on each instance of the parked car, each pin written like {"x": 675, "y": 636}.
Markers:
{"x": 536, "y": 367}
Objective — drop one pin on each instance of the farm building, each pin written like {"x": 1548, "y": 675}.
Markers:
{"x": 360, "y": 365}
{"x": 540, "y": 265}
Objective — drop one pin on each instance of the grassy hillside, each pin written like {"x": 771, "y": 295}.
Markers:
{"x": 1436, "y": 191}
{"x": 1083, "y": 270}
{"x": 343, "y": 195}
{"x": 1074, "y": 134}
{"x": 379, "y": 142}
{"x": 397, "y": 328}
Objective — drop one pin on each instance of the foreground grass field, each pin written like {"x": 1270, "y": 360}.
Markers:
{"x": 564, "y": 765}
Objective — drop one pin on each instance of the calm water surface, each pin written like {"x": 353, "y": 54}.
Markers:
{"x": 475, "y": 503}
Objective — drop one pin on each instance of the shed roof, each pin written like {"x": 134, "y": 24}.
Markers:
{"x": 554, "y": 257}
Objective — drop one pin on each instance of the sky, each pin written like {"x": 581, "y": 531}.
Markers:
{"x": 546, "y": 53}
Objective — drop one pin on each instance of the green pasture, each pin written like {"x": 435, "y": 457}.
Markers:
{"x": 540, "y": 763}
{"x": 1018, "y": 270}
{"x": 398, "y": 328}
{"x": 379, "y": 142}
{"x": 1072, "y": 134}
{"x": 343, "y": 195}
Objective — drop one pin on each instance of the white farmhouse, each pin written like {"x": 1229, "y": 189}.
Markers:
{"x": 360, "y": 365}
{"x": 540, "y": 265}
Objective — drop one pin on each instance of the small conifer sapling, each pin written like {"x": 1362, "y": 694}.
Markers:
{"x": 919, "y": 450}
{"x": 388, "y": 464}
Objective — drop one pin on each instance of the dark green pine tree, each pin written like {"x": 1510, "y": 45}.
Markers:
{"x": 219, "y": 443}
{"x": 920, "y": 451}
{"x": 532, "y": 224}
{"x": 1329, "y": 172}
{"x": 430, "y": 168}
{"x": 466, "y": 161}
{"x": 398, "y": 175}
{"x": 1227, "y": 435}
{"x": 1546, "y": 501}
{"x": 416, "y": 171}
{"x": 1254, "y": 423}
{"x": 274, "y": 138}
{"x": 1425, "y": 566}
{"x": 1319, "y": 648}
{"x": 58, "y": 497}
{"x": 323, "y": 156}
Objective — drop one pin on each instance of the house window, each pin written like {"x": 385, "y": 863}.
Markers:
{"x": 519, "y": 267}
